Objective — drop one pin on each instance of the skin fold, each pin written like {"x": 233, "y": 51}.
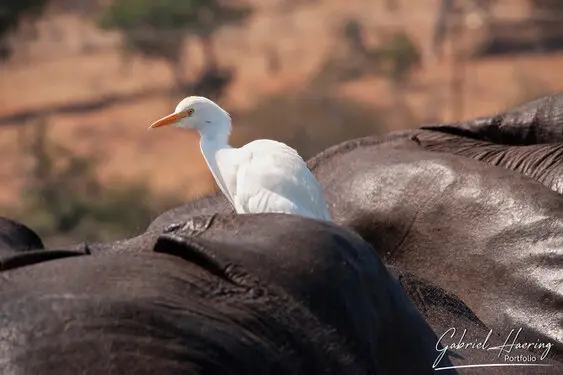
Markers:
{"x": 541, "y": 162}
{"x": 534, "y": 122}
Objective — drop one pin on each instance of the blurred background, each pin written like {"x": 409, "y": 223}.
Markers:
{"x": 83, "y": 79}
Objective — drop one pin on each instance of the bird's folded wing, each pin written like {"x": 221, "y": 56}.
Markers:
{"x": 276, "y": 179}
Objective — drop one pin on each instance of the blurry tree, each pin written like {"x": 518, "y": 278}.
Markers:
{"x": 398, "y": 58}
{"x": 350, "y": 58}
{"x": 58, "y": 187}
{"x": 309, "y": 120}
{"x": 11, "y": 15}
{"x": 63, "y": 199}
{"x": 395, "y": 59}
{"x": 548, "y": 6}
{"x": 158, "y": 29}
{"x": 547, "y": 15}
{"x": 440, "y": 29}
{"x": 452, "y": 16}
{"x": 354, "y": 34}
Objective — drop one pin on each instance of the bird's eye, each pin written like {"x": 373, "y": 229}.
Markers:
{"x": 190, "y": 111}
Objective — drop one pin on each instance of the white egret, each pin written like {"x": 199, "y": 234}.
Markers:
{"x": 262, "y": 176}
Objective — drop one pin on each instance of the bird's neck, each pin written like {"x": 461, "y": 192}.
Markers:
{"x": 216, "y": 133}
{"x": 212, "y": 146}
{"x": 214, "y": 138}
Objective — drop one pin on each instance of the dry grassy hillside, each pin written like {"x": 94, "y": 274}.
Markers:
{"x": 74, "y": 74}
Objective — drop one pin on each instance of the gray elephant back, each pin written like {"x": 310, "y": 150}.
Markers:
{"x": 235, "y": 294}
{"x": 451, "y": 319}
{"x": 491, "y": 236}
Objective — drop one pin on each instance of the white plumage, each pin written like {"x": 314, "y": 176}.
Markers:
{"x": 262, "y": 176}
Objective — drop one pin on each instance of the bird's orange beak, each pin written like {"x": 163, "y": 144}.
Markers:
{"x": 168, "y": 120}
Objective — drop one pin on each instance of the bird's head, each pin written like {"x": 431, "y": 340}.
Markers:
{"x": 197, "y": 113}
